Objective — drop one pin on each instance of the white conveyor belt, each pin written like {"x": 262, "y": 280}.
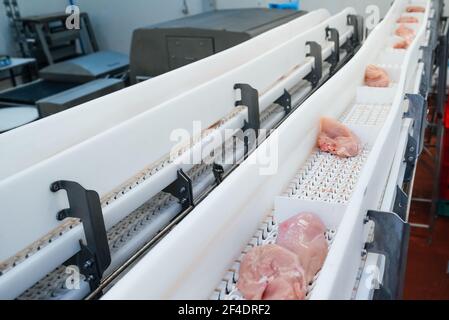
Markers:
{"x": 128, "y": 165}
{"x": 192, "y": 261}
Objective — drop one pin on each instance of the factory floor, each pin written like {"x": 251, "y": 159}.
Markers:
{"x": 427, "y": 276}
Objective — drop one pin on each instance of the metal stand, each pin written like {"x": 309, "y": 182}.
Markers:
{"x": 391, "y": 238}
{"x": 94, "y": 257}
{"x": 439, "y": 45}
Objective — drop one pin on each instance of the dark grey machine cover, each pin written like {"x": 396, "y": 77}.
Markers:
{"x": 167, "y": 46}
{"x": 87, "y": 68}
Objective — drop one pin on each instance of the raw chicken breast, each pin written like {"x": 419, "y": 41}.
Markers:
{"x": 404, "y": 44}
{"x": 407, "y": 19}
{"x": 337, "y": 139}
{"x": 272, "y": 272}
{"x": 376, "y": 77}
{"x": 415, "y": 9}
{"x": 405, "y": 32}
{"x": 304, "y": 235}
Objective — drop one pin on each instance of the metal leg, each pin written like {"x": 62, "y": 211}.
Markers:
{"x": 40, "y": 33}
{"x": 13, "y": 77}
{"x": 440, "y": 111}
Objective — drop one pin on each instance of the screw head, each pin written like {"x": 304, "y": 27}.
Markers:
{"x": 61, "y": 215}
{"x": 88, "y": 264}
{"x": 364, "y": 253}
{"x": 55, "y": 187}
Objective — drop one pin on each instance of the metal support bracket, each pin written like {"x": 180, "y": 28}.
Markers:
{"x": 182, "y": 190}
{"x": 417, "y": 111}
{"x": 391, "y": 237}
{"x": 410, "y": 158}
{"x": 94, "y": 257}
{"x": 285, "y": 101}
{"x": 334, "y": 36}
{"x": 316, "y": 74}
{"x": 218, "y": 172}
{"x": 400, "y": 203}
{"x": 250, "y": 99}
{"x": 426, "y": 79}
{"x": 359, "y": 29}
{"x": 358, "y": 36}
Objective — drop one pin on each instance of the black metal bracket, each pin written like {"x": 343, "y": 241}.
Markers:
{"x": 400, "y": 203}
{"x": 218, "y": 172}
{"x": 94, "y": 257}
{"x": 359, "y": 29}
{"x": 285, "y": 101}
{"x": 358, "y": 36}
{"x": 182, "y": 190}
{"x": 410, "y": 158}
{"x": 250, "y": 99}
{"x": 426, "y": 79}
{"x": 334, "y": 36}
{"x": 315, "y": 75}
{"x": 391, "y": 237}
{"x": 417, "y": 111}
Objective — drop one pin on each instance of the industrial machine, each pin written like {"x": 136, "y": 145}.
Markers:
{"x": 47, "y": 38}
{"x": 152, "y": 205}
{"x": 169, "y": 45}
{"x": 361, "y": 200}
{"x": 318, "y": 61}
{"x": 74, "y": 71}
{"x": 72, "y": 78}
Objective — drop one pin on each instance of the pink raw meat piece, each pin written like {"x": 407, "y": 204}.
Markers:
{"x": 376, "y": 77}
{"x": 403, "y": 44}
{"x": 407, "y": 19}
{"x": 405, "y": 32}
{"x": 271, "y": 272}
{"x": 416, "y": 9}
{"x": 304, "y": 234}
{"x": 337, "y": 139}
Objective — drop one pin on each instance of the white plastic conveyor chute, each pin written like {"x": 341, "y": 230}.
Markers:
{"x": 191, "y": 261}
{"x": 114, "y": 162}
{"x": 41, "y": 140}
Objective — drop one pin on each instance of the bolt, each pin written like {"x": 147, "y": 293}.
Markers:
{"x": 62, "y": 214}
{"x": 411, "y": 159}
{"x": 88, "y": 264}
{"x": 182, "y": 190}
{"x": 412, "y": 149}
{"x": 55, "y": 187}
